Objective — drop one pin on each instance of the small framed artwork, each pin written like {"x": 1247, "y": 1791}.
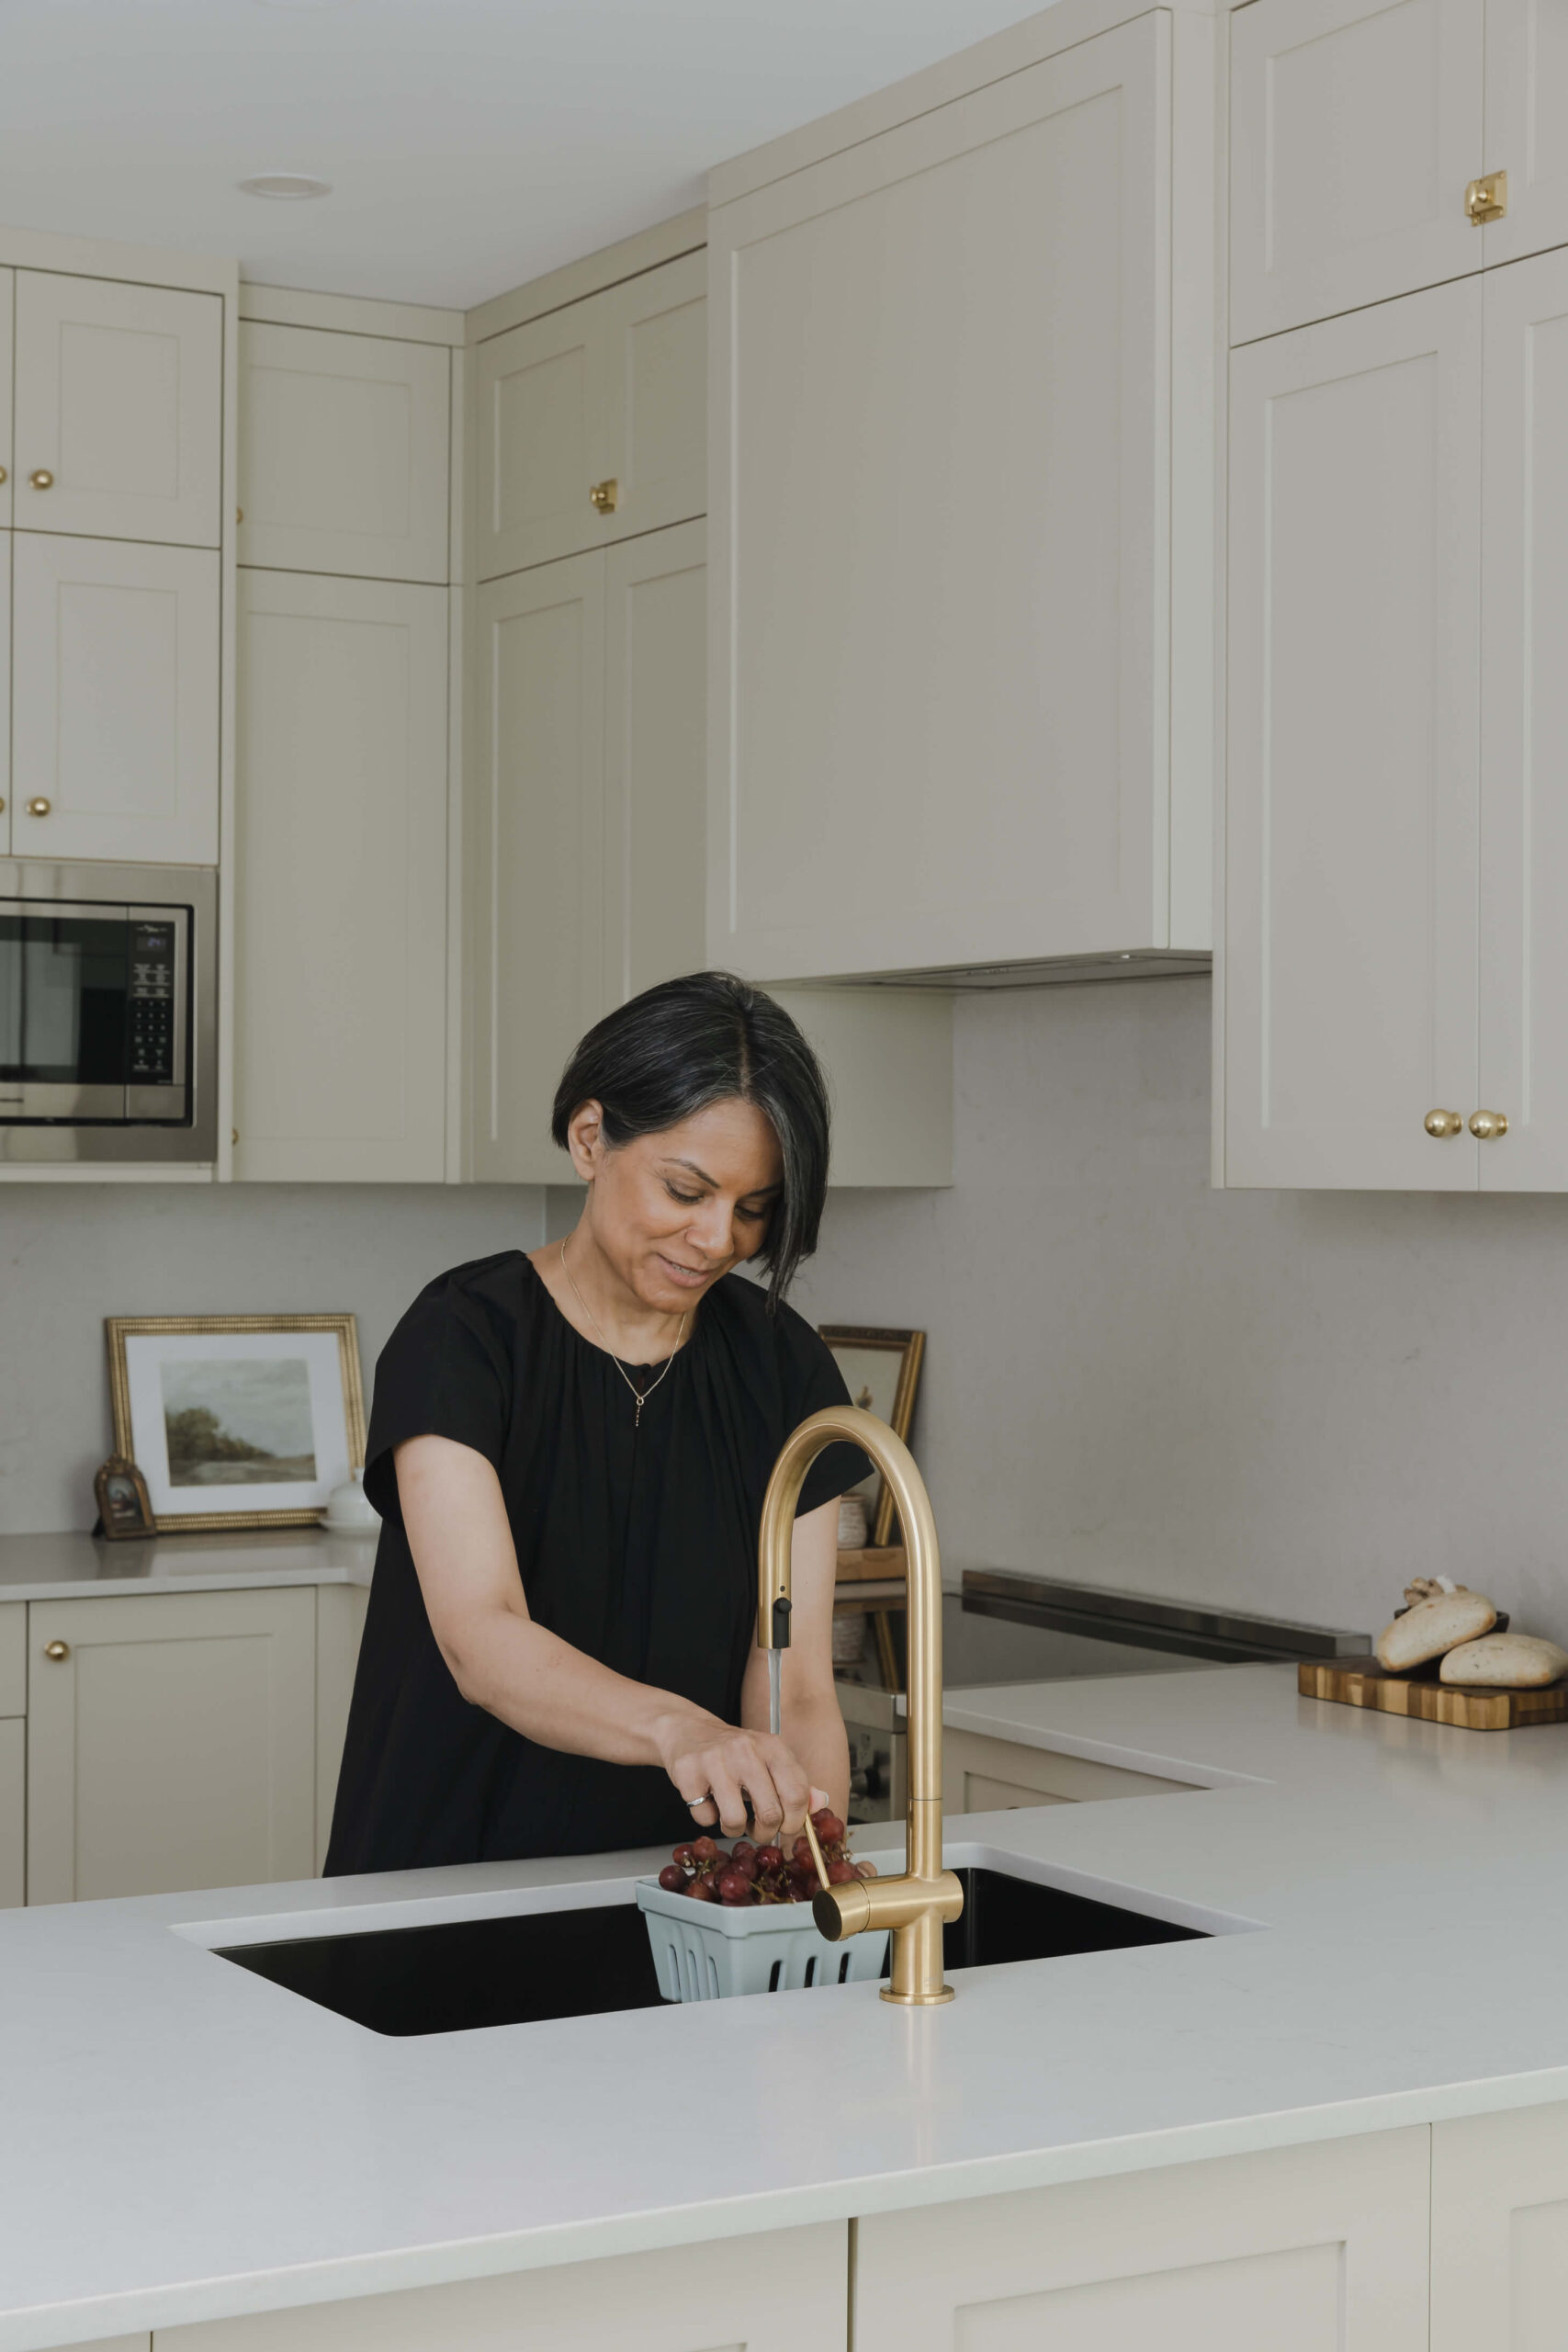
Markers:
{"x": 124, "y": 1507}
{"x": 237, "y": 1421}
{"x": 882, "y": 1371}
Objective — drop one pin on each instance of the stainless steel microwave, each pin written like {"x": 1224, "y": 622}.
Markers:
{"x": 109, "y": 1032}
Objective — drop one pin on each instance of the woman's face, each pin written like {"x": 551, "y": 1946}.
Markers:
{"x": 673, "y": 1212}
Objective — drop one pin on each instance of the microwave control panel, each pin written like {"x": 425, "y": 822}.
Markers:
{"x": 152, "y": 1004}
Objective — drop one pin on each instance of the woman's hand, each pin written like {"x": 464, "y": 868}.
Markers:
{"x": 716, "y": 1767}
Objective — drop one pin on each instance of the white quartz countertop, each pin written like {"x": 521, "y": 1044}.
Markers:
{"x": 184, "y": 2139}
{"x": 56, "y": 1568}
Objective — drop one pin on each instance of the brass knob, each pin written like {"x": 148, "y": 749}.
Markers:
{"x": 604, "y": 496}
{"x": 234, "y": 1135}
{"x": 3, "y": 475}
{"x": 39, "y": 806}
{"x": 57, "y": 1650}
{"x": 41, "y": 479}
{"x": 1487, "y": 1126}
{"x": 1444, "y": 1123}
{"x": 2, "y": 804}
{"x": 239, "y": 513}
{"x": 1486, "y": 198}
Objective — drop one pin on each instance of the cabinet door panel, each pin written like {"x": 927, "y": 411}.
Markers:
{"x": 539, "y": 439}
{"x": 343, "y": 446}
{"x": 119, "y": 397}
{"x": 1500, "y": 2230}
{"x": 536, "y": 784}
{"x": 174, "y": 1747}
{"x": 115, "y": 709}
{"x": 937, "y": 731}
{"x": 1317, "y": 2249}
{"x": 625, "y": 2302}
{"x": 10, "y": 822}
{"x": 12, "y": 1812}
{"x": 655, "y": 791}
{"x": 1353, "y": 748}
{"x": 7, "y": 460}
{"x": 1524, "y": 765}
{"x": 1355, "y": 126}
{"x": 340, "y": 976}
{"x": 1527, "y": 125}
{"x": 655, "y": 351}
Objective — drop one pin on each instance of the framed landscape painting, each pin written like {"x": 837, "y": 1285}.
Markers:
{"x": 237, "y": 1421}
{"x": 882, "y": 1371}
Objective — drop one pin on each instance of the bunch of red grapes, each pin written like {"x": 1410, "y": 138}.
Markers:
{"x": 750, "y": 1873}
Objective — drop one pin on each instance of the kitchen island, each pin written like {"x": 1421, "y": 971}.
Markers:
{"x": 1267, "y": 2134}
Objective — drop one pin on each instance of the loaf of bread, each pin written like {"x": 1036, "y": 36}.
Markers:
{"x": 1433, "y": 1626}
{"x": 1506, "y": 1662}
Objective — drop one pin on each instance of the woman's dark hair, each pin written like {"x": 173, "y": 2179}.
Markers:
{"x": 712, "y": 1038}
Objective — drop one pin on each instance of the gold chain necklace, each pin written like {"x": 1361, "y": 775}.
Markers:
{"x": 642, "y": 1394}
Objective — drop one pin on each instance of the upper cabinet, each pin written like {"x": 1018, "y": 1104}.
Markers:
{"x": 589, "y": 423}
{"x": 344, "y": 453}
{"x": 119, "y": 411}
{"x": 960, "y": 663}
{"x": 7, "y": 308}
{"x": 1377, "y": 150}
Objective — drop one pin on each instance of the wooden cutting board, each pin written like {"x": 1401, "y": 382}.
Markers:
{"x": 1367, "y": 1684}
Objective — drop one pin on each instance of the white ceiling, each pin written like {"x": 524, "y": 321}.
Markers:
{"x": 470, "y": 144}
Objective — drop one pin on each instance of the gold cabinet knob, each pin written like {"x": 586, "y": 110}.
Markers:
{"x": 1487, "y": 1126}
{"x": 1444, "y": 1123}
{"x": 41, "y": 479}
{"x": 57, "y": 1650}
{"x": 2, "y": 804}
{"x": 3, "y": 475}
{"x": 39, "y": 806}
{"x": 1486, "y": 198}
{"x": 604, "y": 496}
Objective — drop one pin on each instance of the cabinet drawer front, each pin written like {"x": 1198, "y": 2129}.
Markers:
{"x": 646, "y": 2301}
{"x": 1314, "y": 2249}
{"x": 14, "y": 1659}
{"x": 343, "y": 447}
{"x": 1352, "y": 786}
{"x": 938, "y": 571}
{"x": 981, "y": 1774}
{"x": 119, "y": 397}
{"x": 172, "y": 1746}
{"x": 1355, "y": 129}
{"x": 342, "y": 778}
{"x": 115, "y": 709}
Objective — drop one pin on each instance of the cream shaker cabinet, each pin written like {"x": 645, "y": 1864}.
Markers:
{"x": 947, "y": 560}
{"x": 10, "y": 825}
{"x": 115, "y": 700}
{"x": 1308, "y": 2249}
{"x": 170, "y": 1742}
{"x": 589, "y": 420}
{"x": 7, "y": 470}
{"x": 13, "y": 1753}
{"x": 119, "y": 411}
{"x": 340, "y": 976}
{"x": 1354, "y": 749}
{"x": 344, "y": 452}
{"x": 1500, "y": 2230}
{"x": 1527, "y": 125}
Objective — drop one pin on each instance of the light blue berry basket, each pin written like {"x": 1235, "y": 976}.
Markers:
{"x": 708, "y": 1952}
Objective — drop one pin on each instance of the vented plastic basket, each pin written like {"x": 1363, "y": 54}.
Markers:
{"x": 707, "y": 1952}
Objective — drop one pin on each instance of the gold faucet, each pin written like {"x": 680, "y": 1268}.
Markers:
{"x": 915, "y": 1905}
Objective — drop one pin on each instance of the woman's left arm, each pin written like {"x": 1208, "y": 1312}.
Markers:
{"x": 813, "y": 1727}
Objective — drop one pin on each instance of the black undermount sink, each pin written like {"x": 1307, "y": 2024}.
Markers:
{"x": 534, "y": 1965}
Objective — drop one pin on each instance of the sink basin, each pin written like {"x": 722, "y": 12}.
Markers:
{"x": 463, "y": 1973}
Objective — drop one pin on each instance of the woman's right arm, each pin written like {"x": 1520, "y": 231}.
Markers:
{"x": 457, "y": 1529}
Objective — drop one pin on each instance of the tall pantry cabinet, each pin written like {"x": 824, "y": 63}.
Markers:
{"x": 585, "y": 765}
{"x": 1397, "y": 746}
{"x": 346, "y": 652}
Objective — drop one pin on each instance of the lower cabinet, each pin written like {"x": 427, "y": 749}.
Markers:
{"x": 340, "y": 1621}
{"x": 12, "y": 1812}
{"x": 1314, "y": 2249}
{"x": 984, "y": 1775}
{"x": 782, "y": 2291}
{"x": 1500, "y": 2231}
{"x": 171, "y": 1742}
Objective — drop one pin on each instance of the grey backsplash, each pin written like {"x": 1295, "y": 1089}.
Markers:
{"x": 1290, "y": 1401}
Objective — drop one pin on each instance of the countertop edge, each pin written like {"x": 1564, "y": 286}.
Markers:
{"x": 352, "y": 2277}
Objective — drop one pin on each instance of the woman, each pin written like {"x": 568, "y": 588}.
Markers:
{"x": 569, "y": 1451}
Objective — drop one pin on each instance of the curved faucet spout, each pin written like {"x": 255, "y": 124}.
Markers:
{"x": 914, "y": 1905}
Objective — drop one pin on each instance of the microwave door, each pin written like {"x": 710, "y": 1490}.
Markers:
{"x": 64, "y": 973}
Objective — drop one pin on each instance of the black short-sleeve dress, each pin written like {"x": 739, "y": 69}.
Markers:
{"x": 636, "y": 1545}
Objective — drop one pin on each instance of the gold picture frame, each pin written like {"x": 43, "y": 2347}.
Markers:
{"x": 886, "y": 1389}
{"x": 331, "y": 1393}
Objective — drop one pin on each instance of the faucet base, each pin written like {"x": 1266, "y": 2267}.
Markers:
{"x": 917, "y": 2000}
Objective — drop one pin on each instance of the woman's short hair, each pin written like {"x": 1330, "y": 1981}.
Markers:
{"x": 710, "y": 1037}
